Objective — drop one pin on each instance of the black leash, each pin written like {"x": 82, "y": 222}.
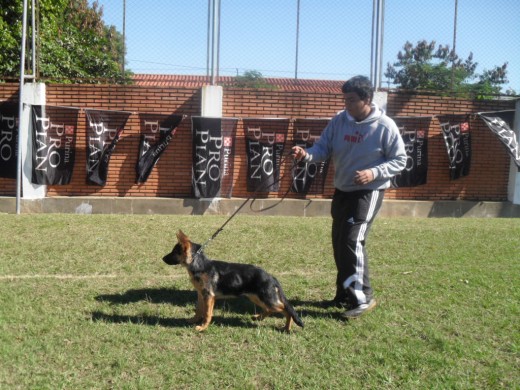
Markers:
{"x": 253, "y": 196}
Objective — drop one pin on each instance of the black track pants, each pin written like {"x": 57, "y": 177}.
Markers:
{"x": 352, "y": 217}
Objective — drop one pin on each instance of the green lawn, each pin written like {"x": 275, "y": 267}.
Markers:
{"x": 87, "y": 303}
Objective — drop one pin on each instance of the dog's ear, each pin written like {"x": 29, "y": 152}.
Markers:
{"x": 184, "y": 242}
{"x": 181, "y": 237}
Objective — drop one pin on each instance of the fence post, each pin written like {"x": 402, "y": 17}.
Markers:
{"x": 211, "y": 104}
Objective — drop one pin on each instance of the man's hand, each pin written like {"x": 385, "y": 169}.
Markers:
{"x": 364, "y": 177}
{"x": 298, "y": 152}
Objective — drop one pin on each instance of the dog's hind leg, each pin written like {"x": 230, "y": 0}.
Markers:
{"x": 262, "y": 315}
{"x": 281, "y": 309}
{"x": 208, "y": 304}
{"x": 199, "y": 311}
{"x": 270, "y": 309}
{"x": 266, "y": 312}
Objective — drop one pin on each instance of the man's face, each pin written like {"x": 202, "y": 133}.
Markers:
{"x": 356, "y": 107}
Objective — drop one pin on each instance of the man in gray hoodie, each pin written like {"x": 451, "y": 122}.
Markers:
{"x": 367, "y": 151}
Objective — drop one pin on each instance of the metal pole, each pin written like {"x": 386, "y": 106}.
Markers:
{"x": 124, "y": 39}
{"x": 215, "y": 42}
{"x": 208, "y": 50}
{"x": 375, "y": 80}
{"x": 217, "y": 61}
{"x": 33, "y": 23}
{"x": 20, "y": 109}
{"x": 454, "y": 44}
{"x": 297, "y": 39}
{"x": 381, "y": 38}
{"x": 376, "y": 58}
{"x": 372, "y": 42}
{"x": 213, "y": 22}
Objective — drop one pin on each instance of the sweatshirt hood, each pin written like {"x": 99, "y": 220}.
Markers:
{"x": 375, "y": 113}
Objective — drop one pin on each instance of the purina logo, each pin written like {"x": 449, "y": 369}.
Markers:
{"x": 212, "y": 167}
{"x": 309, "y": 178}
{"x": 104, "y": 129}
{"x": 53, "y": 140}
{"x": 265, "y": 142}
{"x": 456, "y": 132}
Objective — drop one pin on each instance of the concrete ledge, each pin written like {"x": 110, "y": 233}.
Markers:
{"x": 259, "y": 207}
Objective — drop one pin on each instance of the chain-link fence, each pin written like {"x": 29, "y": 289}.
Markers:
{"x": 309, "y": 39}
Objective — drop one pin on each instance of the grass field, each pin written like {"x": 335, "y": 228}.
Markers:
{"x": 87, "y": 303}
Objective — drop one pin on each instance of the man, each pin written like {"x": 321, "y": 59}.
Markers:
{"x": 367, "y": 151}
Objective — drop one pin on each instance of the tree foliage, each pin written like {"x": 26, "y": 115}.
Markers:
{"x": 10, "y": 37}
{"x": 425, "y": 67}
{"x": 73, "y": 44}
{"x": 252, "y": 79}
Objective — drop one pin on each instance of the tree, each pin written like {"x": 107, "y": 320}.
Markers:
{"x": 74, "y": 44}
{"x": 252, "y": 79}
{"x": 10, "y": 36}
{"x": 424, "y": 68}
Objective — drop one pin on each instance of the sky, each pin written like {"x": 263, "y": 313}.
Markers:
{"x": 334, "y": 39}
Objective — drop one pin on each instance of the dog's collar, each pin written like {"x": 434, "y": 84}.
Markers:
{"x": 199, "y": 251}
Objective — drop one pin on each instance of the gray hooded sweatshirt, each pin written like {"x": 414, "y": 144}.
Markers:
{"x": 374, "y": 143}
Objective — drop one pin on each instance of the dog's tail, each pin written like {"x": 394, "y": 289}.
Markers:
{"x": 297, "y": 320}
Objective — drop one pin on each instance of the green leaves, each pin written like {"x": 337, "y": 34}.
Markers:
{"x": 74, "y": 43}
{"x": 422, "y": 67}
{"x": 252, "y": 79}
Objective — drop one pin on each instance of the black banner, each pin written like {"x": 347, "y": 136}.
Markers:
{"x": 456, "y": 132}
{"x": 213, "y": 155}
{"x": 265, "y": 142}
{"x": 8, "y": 139}
{"x": 156, "y": 133}
{"x": 414, "y": 132}
{"x": 54, "y": 138}
{"x": 501, "y": 123}
{"x": 103, "y": 131}
{"x": 309, "y": 178}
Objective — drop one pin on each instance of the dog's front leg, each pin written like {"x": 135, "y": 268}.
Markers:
{"x": 288, "y": 322}
{"x": 199, "y": 310}
{"x": 208, "y": 304}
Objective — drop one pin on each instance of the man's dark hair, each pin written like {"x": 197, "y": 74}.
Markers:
{"x": 361, "y": 85}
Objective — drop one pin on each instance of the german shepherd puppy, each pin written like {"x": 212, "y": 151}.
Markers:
{"x": 217, "y": 279}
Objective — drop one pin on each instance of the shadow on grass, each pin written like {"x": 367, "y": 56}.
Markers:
{"x": 182, "y": 298}
{"x": 152, "y": 295}
{"x": 186, "y": 298}
{"x": 315, "y": 309}
{"x": 98, "y": 316}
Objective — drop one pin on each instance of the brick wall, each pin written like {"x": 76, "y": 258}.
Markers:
{"x": 171, "y": 177}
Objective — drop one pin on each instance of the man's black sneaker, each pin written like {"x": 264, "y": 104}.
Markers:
{"x": 360, "y": 310}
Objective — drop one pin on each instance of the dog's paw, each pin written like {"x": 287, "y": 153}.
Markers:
{"x": 257, "y": 317}
{"x": 201, "y": 328}
{"x": 284, "y": 329}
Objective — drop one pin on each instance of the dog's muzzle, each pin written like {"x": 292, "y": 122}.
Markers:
{"x": 170, "y": 259}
